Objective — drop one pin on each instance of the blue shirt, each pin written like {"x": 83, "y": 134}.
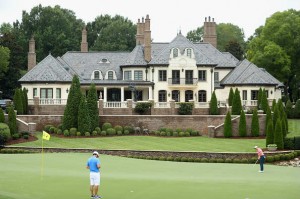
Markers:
{"x": 92, "y": 164}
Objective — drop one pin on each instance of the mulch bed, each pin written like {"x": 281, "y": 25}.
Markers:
{"x": 22, "y": 140}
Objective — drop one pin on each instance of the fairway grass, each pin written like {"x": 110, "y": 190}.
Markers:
{"x": 64, "y": 176}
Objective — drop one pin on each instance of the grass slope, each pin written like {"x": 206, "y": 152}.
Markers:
{"x": 152, "y": 143}
{"x": 65, "y": 176}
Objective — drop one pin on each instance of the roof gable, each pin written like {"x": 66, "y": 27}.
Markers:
{"x": 136, "y": 57}
{"x": 48, "y": 70}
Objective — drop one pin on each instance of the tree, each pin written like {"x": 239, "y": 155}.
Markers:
{"x": 297, "y": 109}
{"x": 289, "y": 109}
{"x": 70, "y": 118}
{"x": 276, "y": 48}
{"x": 25, "y": 102}
{"x": 273, "y": 105}
{"x": 264, "y": 102}
{"x": 268, "y": 117}
{"x": 57, "y": 34}
{"x": 242, "y": 125}
{"x": 235, "y": 49}
{"x": 283, "y": 125}
{"x": 4, "y": 60}
{"x": 236, "y": 103}
{"x": 84, "y": 123}
{"x": 230, "y": 97}
{"x": 228, "y": 126}
{"x": 108, "y": 33}
{"x": 276, "y": 115}
{"x": 92, "y": 107}
{"x": 18, "y": 104}
{"x": 259, "y": 97}
{"x": 269, "y": 133}
{"x": 255, "y": 124}
{"x": 12, "y": 121}
{"x": 2, "y": 118}
{"x": 213, "y": 105}
{"x": 278, "y": 137}
{"x": 226, "y": 33}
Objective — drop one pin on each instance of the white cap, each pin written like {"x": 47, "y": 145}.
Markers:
{"x": 255, "y": 147}
{"x": 95, "y": 153}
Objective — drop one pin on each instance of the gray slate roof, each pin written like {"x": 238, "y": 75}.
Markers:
{"x": 247, "y": 73}
{"x": 136, "y": 57}
{"x": 48, "y": 70}
{"x": 180, "y": 42}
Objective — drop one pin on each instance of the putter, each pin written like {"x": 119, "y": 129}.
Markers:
{"x": 255, "y": 162}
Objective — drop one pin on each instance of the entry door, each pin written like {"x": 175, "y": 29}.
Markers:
{"x": 175, "y": 76}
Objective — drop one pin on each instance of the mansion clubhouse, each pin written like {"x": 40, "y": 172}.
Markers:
{"x": 164, "y": 73}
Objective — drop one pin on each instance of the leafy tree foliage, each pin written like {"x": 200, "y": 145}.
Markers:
{"x": 92, "y": 107}
{"x": 12, "y": 121}
{"x": 55, "y": 30}
{"x": 269, "y": 133}
{"x": 195, "y": 35}
{"x": 273, "y": 105}
{"x": 242, "y": 125}
{"x": 236, "y": 103}
{"x": 228, "y": 126}
{"x": 2, "y": 118}
{"x": 213, "y": 105}
{"x": 231, "y": 96}
{"x": 108, "y": 33}
{"x": 289, "y": 109}
{"x": 255, "y": 124}
{"x": 278, "y": 136}
{"x": 235, "y": 49}
{"x": 4, "y": 57}
{"x": 297, "y": 109}
{"x": 70, "y": 118}
{"x": 277, "y": 49}
{"x": 84, "y": 123}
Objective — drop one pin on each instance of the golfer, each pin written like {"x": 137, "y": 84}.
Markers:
{"x": 261, "y": 157}
{"x": 93, "y": 164}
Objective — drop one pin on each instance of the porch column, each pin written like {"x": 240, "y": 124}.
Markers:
{"x": 105, "y": 93}
{"x": 122, "y": 94}
{"x": 150, "y": 97}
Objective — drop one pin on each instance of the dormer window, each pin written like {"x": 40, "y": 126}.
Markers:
{"x": 110, "y": 75}
{"x": 189, "y": 52}
{"x": 97, "y": 75}
{"x": 175, "y": 52}
{"x": 104, "y": 61}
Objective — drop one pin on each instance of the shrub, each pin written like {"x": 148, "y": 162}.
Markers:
{"x": 289, "y": 109}
{"x": 228, "y": 160}
{"x": 47, "y": 127}
{"x": 66, "y": 133}
{"x": 126, "y": 132}
{"x": 118, "y": 128}
{"x": 111, "y": 131}
{"x": 187, "y": 134}
{"x": 255, "y": 124}
{"x": 175, "y": 134}
{"x": 73, "y": 131}
{"x": 213, "y": 105}
{"x": 12, "y": 121}
{"x": 98, "y": 129}
{"x": 269, "y": 132}
{"x": 219, "y": 160}
{"x": 181, "y": 134}
{"x": 162, "y": 158}
{"x": 52, "y": 129}
{"x": 4, "y": 132}
{"x": 227, "y": 126}
{"x": 92, "y": 107}
{"x": 204, "y": 160}
{"x": 230, "y": 97}
{"x": 276, "y": 157}
{"x": 278, "y": 137}
{"x": 191, "y": 159}
{"x": 185, "y": 108}
{"x": 162, "y": 133}
{"x": 212, "y": 160}
{"x": 297, "y": 142}
{"x": 94, "y": 133}
{"x": 270, "y": 159}
{"x": 242, "y": 125}
{"x": 103, "y": 133}
{"x": 15, "y": 136}
{"x": 170, "y": 158}
{"x": 59, "y": 131}
{"x": 169, "y": 133}
{"x": 119, "y": 132}
{"x": 236, "y": 103}
{"x": 194, "y": 133}
{"x": 87, "y": 134}
{"x": 184, "y": 159}
{"x": 142, "y": 107}
{"x": 244, "y": 161}
{"x": 78, "y": 134}
{"x": 106, "y": 126}
{"x": 178, "y": 130}
{"x": 177, "y": 159}
{"x": 26, "y": 137}
{"x": 129, "y": 128}
{"x": 84, "y": 120}
{"x": 237, "y": 161}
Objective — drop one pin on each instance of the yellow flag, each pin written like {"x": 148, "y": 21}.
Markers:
{"x": 46, "y": 136}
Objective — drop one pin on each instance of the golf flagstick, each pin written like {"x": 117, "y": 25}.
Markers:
{"x": 45, "y": 136}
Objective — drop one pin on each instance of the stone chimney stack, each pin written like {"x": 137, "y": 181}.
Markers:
{"x": 31, "y": 54}
{"x": 139, "y": 33}
{"x": 147, "y": 39}
{"x": 84, "y": 43}
{"x": 210, "y": 32}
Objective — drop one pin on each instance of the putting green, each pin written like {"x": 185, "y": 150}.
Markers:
{"x": 64, "y": 176}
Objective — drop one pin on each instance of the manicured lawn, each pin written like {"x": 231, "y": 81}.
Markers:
{"x": 152, "y": 143}
{"x": 65, "y": 176}
{"x": 294, "y": 127}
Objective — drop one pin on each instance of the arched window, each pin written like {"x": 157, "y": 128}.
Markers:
{"x": 162, "y": 96}
{"x": 189, "y": 52}
{"x": 202, "y": 96}
{"x": 96, "y": 75}
{"x": 175, "y": 52}
{"x": 110, "y": 75}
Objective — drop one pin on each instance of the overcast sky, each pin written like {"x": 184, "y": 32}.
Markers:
{"x": 167, "y": 16}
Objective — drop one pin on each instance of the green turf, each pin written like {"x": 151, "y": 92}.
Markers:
{"x": 294, "y": 128}
{"x": 152, "y": 143}
{"x": 65, "y": 176}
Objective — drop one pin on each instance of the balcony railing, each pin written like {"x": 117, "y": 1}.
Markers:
{"x": 182, "y": 81}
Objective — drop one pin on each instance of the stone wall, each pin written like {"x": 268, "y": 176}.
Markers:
{"x": 154, "y": 122}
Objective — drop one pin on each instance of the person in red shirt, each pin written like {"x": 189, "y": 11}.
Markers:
{"x": 261, "y": 157}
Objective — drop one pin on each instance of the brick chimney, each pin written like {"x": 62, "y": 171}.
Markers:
{"x": 31, "y": 54}
{"x": 147, "y": 39}
{"x": 140, "y": 32}
{"x": 210, "y": 32}
{"x": 84, "y": 43}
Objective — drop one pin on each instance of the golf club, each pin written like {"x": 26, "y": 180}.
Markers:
{"x": 255, "y": 162}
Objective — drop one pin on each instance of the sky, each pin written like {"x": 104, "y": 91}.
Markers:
{"x": 168, "y": 17}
